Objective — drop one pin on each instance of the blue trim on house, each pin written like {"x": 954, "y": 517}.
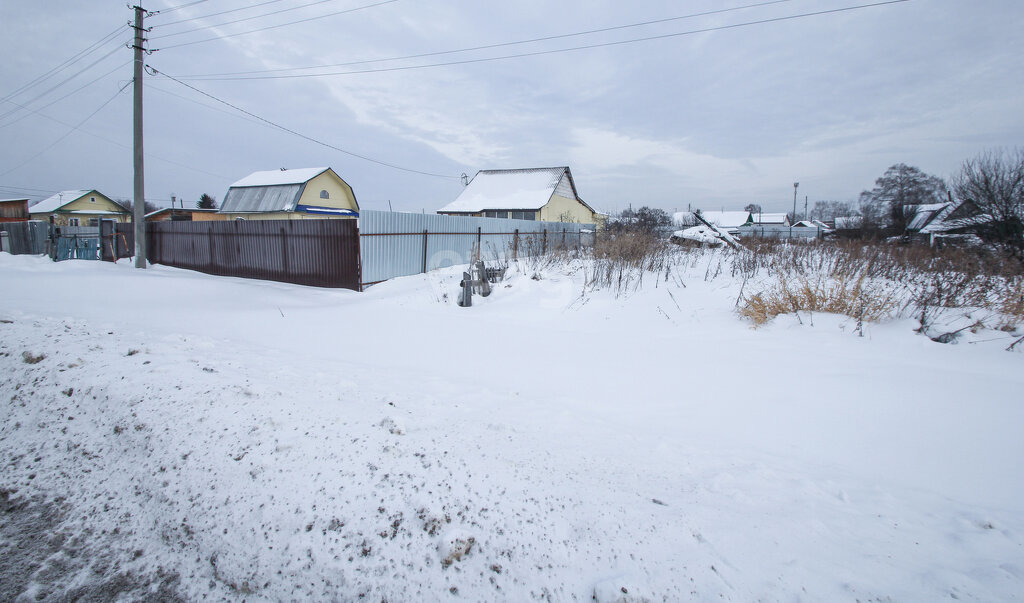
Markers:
{"x": 332, "y": 211}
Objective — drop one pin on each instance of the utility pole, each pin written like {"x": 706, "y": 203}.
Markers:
{"x": 139, "y": 207}
{"x": 795, "y": 186}
{"x": 805, "y": 207}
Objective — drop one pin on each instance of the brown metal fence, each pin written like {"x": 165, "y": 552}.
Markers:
{"x": 321, "y": 253}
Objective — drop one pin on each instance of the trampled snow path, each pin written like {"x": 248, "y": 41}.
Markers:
{"x": 262, "y": 441}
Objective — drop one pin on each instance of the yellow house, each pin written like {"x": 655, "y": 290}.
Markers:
{"x": 299, "y": 194}
{"x": 79, "y": 208}
{"x": 547, "y": 194}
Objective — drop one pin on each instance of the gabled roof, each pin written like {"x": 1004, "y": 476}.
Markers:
{"x": 770, "y": 218}
{"x": 279, "y": 177}
{"x": 923, "y": 215}
{"x": 955, "y": 216}
{"x": 51, "y": 204}
{"x": 520, "y": 189}
{"x": 269, "y": 191}
{"x": 727, "y": 219}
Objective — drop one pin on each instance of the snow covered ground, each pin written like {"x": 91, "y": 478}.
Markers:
{"x": 170, "y": 434}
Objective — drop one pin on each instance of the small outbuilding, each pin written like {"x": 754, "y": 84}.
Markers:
{"x": 290, "y": 194}
{"x": 14, "y": 210}
{"x": 79, "y": 208}
{"x": 547, "y": 194}
{"x": 188, "y": 214}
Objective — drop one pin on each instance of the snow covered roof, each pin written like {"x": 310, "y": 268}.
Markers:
{"x": 182, "y": 210}
{"x": 700, "y": 234}
{"x": 10, "y": 200}
{"x": 812, "y": 224}
{"x": 530, "y": 188}
{"x": 923, "y": 215}
{"x": 773, "y": 218}
{"x": 956, "y": 216}
{"x": 726, "y": 219}
{"x": 849, "y": 222}
{"x": 279, "y": 177}
{"x": 58, "y": 201}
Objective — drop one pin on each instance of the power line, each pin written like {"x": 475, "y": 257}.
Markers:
{"x": 53, "y": 102}
{"x": 505, "y": 44}
{"x": 276, "y": 12}
{"x": 223, "y": 12}
{"x": 66, "y": 134}
{"x": 242, "y": 33}
{"x": 179, "y": 7}
{"x": 124, "y": 146}
{"x": 67, "y": 63}
{"x": 300, "y": 135}
{"x": 557, "y": 50}
{"x": 57, "y": 85}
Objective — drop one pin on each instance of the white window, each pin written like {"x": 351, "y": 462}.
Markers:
{"x": 73, "y": 222}
{"x": 325, "y": 195}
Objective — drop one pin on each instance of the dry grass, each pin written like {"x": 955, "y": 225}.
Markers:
{"x": 875, "y": 281}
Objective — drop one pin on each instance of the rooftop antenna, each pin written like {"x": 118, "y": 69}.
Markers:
{"x": 284, "y": 169}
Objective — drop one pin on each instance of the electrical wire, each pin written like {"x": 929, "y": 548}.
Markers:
{"x": 174, "y": 8}
{"x": 298, "y": 134}
{"x": 503, "y": 44}
{"x": 67, "y": 63}
{"x": 56, "y": 86}
{"x": 242, "y": 33}
{"x": 223, "y": 12}
{"x": 554, "y": 51}
{"x": 53, "y": 102}
{"x": 73, "y": 129}
{"x": 276, "y": 12}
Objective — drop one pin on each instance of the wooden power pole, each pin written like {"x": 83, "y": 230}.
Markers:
{"x": 139, "y": 206}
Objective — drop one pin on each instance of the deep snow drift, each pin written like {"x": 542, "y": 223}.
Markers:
{"x": 177, "y": 434}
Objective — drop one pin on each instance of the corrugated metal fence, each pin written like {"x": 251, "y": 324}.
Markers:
{"x": 25, "y": 238}
{"x": 398, "y": 244}
{"x": 321, "y": 253}
{"x": 781, "y": 232}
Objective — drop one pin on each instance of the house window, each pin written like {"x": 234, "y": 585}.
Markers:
{"x": 73, "y": 222}
{"x": 524, "y": 215}
{"x": 495, "y": 214}
{"x": 325, "y": 195}
{"x": 92, "y": 199}
{"x": 94, "y": 221}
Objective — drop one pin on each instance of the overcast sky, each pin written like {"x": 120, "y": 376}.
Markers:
{"x": 716, "y": 119}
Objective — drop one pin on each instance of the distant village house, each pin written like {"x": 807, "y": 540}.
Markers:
{"x": 299, "y": 194}
{"x": 79, "y": 208}
{"x": 547, "y": 194}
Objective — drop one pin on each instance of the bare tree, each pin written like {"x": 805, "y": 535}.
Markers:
{"x": 898, "y": 188}
{"x": 830, "y": 210}
{"x": 994, "y": 181}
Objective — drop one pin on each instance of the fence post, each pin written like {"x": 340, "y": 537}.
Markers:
{"x": 425, "y": 235}
{"x": 515, "y": 245}
{"x": 563, "y": 238}
{"x": 544, "y": 245}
